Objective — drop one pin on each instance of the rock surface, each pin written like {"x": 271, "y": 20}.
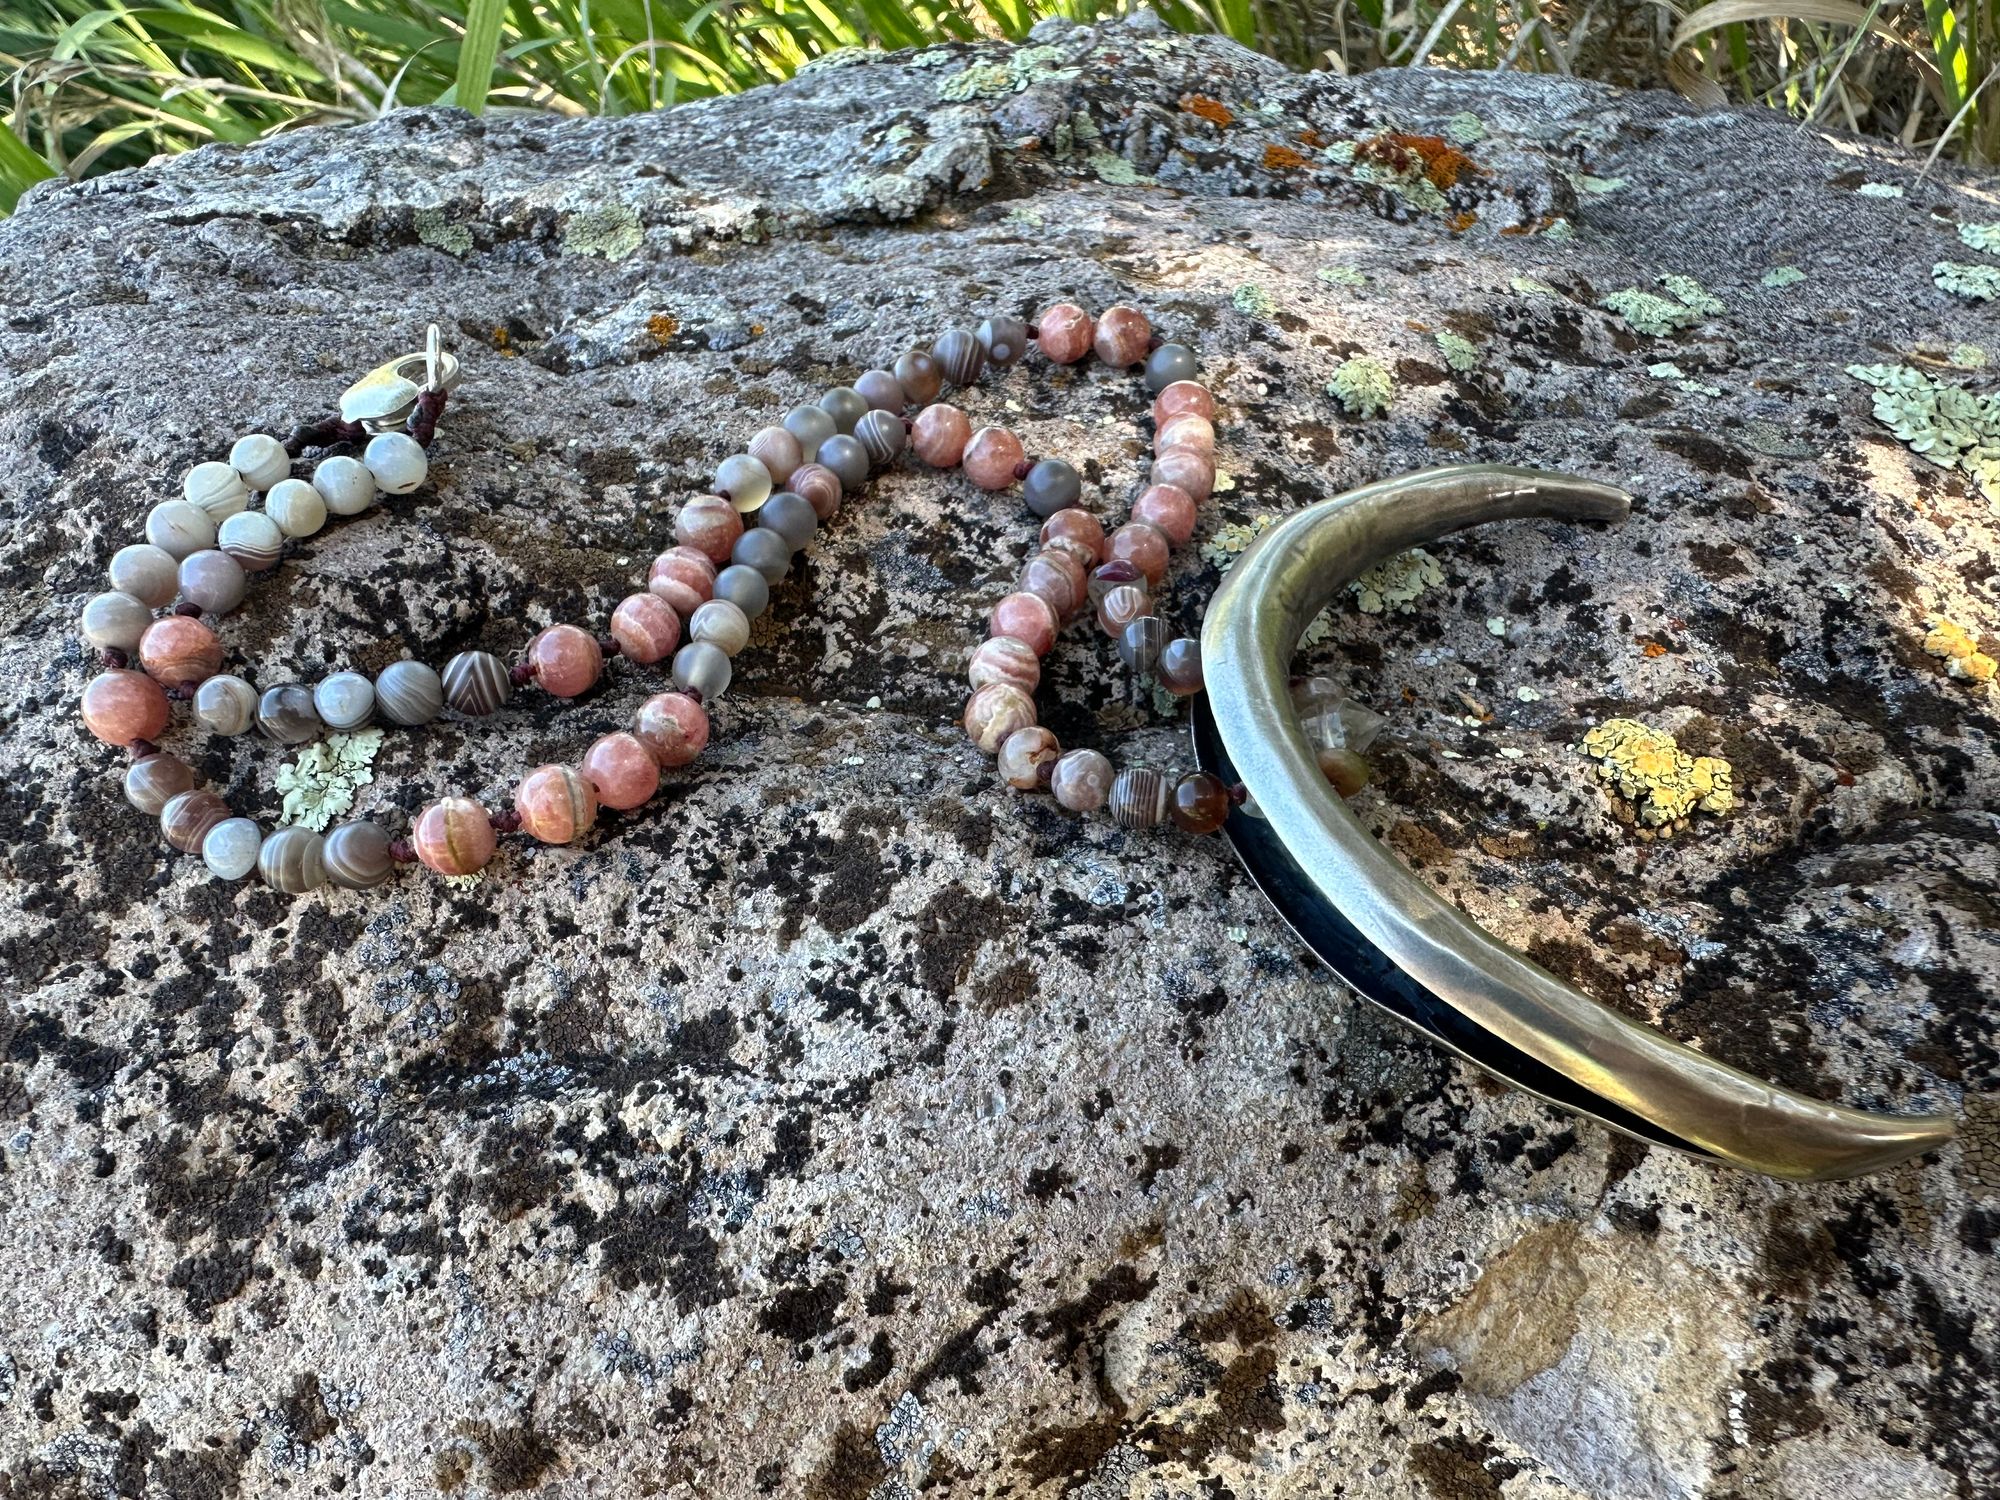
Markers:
{"x": 843, "y": 1125}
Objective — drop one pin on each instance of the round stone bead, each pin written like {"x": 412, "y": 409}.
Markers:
{"x": 622, "y": 770}
{"x": 178, "y": 528}
{"x": 958, "y": 354}
{"x": 1003, "y": 658}
{"x": 357, "y": 856}
{"x": 1186, "y": 469}
{"x": 261, "y": 459}
{"x": 1140, "y": 644}
{"x": 1167, "y": 364}
{"x": 996, "y": 711}
{"x": 409, "y": 693}
{"x": 992, "y": 457}
{"x": 1051, "y": 486}
{"x": 882, "y": 391}
{"x": 1345, "y": 771}
{"x": 217, "y": 489}
{"x": 1114, "y": 574}
{"x": 710, "y": 525}
{"x": 397, "y": 461}
{"x": 1003, "y": 341}
{"x": 225, "y": 705}
{"x": 847, "y": 458}
{"x": 1028, "y": 618}
{"x": 453, "y": 836}
{"x": 1121, "y": 607}
{"x": 296, "y": 507}
{"x": 1139, "y": 797}
{"x": 566, "y": 660}
{"x": 1064, "y": 333}
{"x": 846, "y": 406}
{"x": 742, "y": 481}
{"x": 673, "y": 728}
{"x": 344, "y": 700}
{"x": 253, "y": 539}
{"x": 1183, "y": 396}
{"x": 114, "y": 622}
{"x": 1200, "y": 803}
{"x": 745, "y": 588}
{"x": 1169, "y": 508}
{"x": 764, "y": 550}
{"x": 882, "y": 435}
{"x": 230, "y": 848}
{"x": 1076, "y": 532}
{"x": 1056, "y": 578}
{"x": 1122, "y": 336}
{"x": 1143, "y": 546}
{"x": 345, "y": 484}
{"x": 1028, "y": 758}
{"x": 1081, "y": 781}
{"x": 152, "y": 781}
{"x": 286, "y": 714}
{"x": 721, "y": 624}
{"x": 919, "y": 376}
{"x": 778, "y": 451}
{"x": 557, "y": 804}
{"x": 179, "y": 651}
{"x": 702, "y": 667}
{"x": 820, "y": 487}
{"x": 149, "y": 574}
{"x": 188, "y": 816}
{"x": 685, "y": 576}
{"x": 1187, "y": 430}
{"x": 791, "y": 516}
{"x": 940, "y": 435}
{"x": 477, "y": 683}
{"x": 212, "y": 581}
{"x": 1179, "y": 666}
{"x": 646, "y": 628}
{"x": 811, "y": 425}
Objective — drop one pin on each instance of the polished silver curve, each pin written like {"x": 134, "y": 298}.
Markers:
{"x": 1251, "y": 633}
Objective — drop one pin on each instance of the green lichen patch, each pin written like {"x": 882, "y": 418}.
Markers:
{"x": 1024, "y": 66}
{"x": 1662, "y": 783}
{"x": 1362, "y": 386}
{"x": 320, "y": 785}
{"x": 1461, "y": 354}
{"x": 1668, "y": 370}
{"x": 1657, "y": 316}
{"x": 1527, "y": 286}
{"x": 1465, "y": 129}
{"x": 438, "y": 230}
{"x": 840, "y": 57}
{"x": 1596, "y": 186}
{"x": 1979, "y": 283}
{"x": 1951, "y": 426}
{"x": 1253, "y": 301}
{"x": 1394, "y": 587}
{"x": 609, "y": 233}
{"x": 1779, "y": 277}
{"x": 1341, "y": 153}
{"x": 1968, "y": 357}
{"x": 1342, "y": 276}
{"x": 1114, "y": 169}
{"x": 1984, "y": 237}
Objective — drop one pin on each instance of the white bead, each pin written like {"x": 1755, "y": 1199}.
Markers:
{"x": 345, "y": 700}
{"x": 261, "y": 459}
{"x": 114, "y": 622}
{"x": 345, "y": 484}
{"x": 148, "y": 574}
{"x": 253, "y": 539}
{"x": 230, "y": 848}
{"x": 296, "y": 506}
{"x": 722, "y": 624}
{"x": 216, "y": 488}
{"x": 397, "y": 461}
{"x": 178, "y": 528}
{"x": 744, "y": 480}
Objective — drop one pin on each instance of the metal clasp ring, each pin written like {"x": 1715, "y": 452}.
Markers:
{"x": 383, "y": 399}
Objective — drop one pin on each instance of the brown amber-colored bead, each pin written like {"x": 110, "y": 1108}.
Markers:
{"x": 188, "y": 816}
{"x": 1344, "y": 770}
{"x": 1179, "y": 667}
{"x": 819, "y": 487}
{"x": 1200, "y": 802}
{"x": 622, "y": 769}
{"x": 454, "y": 836}
{"x": 673, "y": 727}
{"x": 556, "y": 804}
{"x": 567, "y": 660}
{"x": 122, "y": 706}
{"x": 155, "y": 780}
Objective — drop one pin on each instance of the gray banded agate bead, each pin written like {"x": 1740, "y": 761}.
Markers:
{"x": 1051, "y": 485}
{"x": 188, "y": 816}
{"x": 919, "y": 376}
{"x": 114, "y": 622}
{"x": 791, "y": 516}
{"x": 846, "y": 406}
{"x": 847, "y": 458}
{"x": 1004, "y": 341}
{"x": 959, "y": 355}
{"x": 148, "y": 573}
{"x": 286, "y": 714}
{"x": 476, "y": 683}
{"x": 178, "y": 528}
{"x": 881, "y": 390}
{"x": 1140, "y": 644}
{"x": 357, "y": 856}
{"x": 702, "y": 668}
{"x": 152, "y": 781}
{"x": 345, "y": 700}
{"x": 882, "y": 435}
{"x": 230, "y": 848}
{"x": 745, "y": 588}
{"x": 1168, "y": 363}
{"x": 225, "y": 705}
{"x": 293, "y": 860}
{"x": 763, "y": 549}
{"x": 212, "y": 581}
{"x": 1139, "y": 797}
{"x": 811, "y": 425}
{"x": 720, "y": 623}
{"x": 408, "y": 693}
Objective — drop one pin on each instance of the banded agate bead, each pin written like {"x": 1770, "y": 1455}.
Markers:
{"x": 397, "y": 461}
{"x": 958, "y": 354}
{"x": 622, "y": 770}
{"x": 261, "y": 459}
{"x": 556, "y": 803}
{"x": 1170, "y": 508}
{"x": 212, "y": 581}
{"x": 253, "y": 539}
{"x": 122, "y": 706}
{"x": 1003, "y": 658}
{"x": 882, "y": 391}
{"x": 1111, "y": 575}
{"x": 1200, "y": 802}
{"x": 344, "y": 700}
{"x": 721, "y": 624}
{"x": 1121, "y": 607}
{"x": 1055, "y": 577}
{"x": 357, "y": 856}
{"x": 1183, "y": 396}
{"x": 148, "y": 573}
{"x": 940, "y": 435}
{"x": 286, "y": 714}
{"x": 778, "y": 451}
{"x": 1123, "y": 335}
{"x": 217, "y": 488}
{"x": 819, "y": 487}
{"x": 1076, "y": 532}
{"x": 298, "y": 508}
{"x": 152, "y": 781}
{"x": 1081, "y": 780}
{"x": 1064, "y": 333}
{"x": 231, "y": 847}
{"x": 225, "y": 705}
{"x": 1026, "y": 617}
{"x": 646, "y": 627}
{"x": 345, "y": 485}
{"x": 409, "y": 693}
{"x": 1003, "y": 341}
{"x": 992, "y": 457}
{"x": 996, "y": 711}
{"x": 1139, "y": 797}
{"x": 179, "y": 651}
{"x": 188, "y": 816}
{"x": 711, "y": 526}
{"x": 919, "y": 376}
{"x": 1145, "y": 547}
{"x": 114, "y": 622}
{"x": 178, "y": 528}
{"x": 293, "y": 860}
{"x": 684, "y": 577}
{"x": 1186, "y": 469}
{"x": 673, "y": 727}
{"x": 477, "y": 683}
{"x": 1028, "y": 757}
{"x": 566, "y": 660}
{"x": 1140, "y": 644}
{"x": 881, "y": 435}
{"x": 1179, "y": 667}
{"x": 702, "y": 667}
{"x": 453, "y": 836}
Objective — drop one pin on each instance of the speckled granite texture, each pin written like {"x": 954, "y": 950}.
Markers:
{"x": 845, "y": 1126}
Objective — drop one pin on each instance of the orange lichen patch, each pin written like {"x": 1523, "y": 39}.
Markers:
{"x": 1462, "y": 222}
{"x": 1212, "y": 110}
{"x": 1518, "y": 229}
{"x": 1282, "y": 158}
{"x": 662, "y": 327}
{"x": 1312, "y": 138}
{"x": 503, "y": 341}
{"x": 1954, "y": 644}
{"x": 1651, "y": 648}
{"x": 1432, "y": 155}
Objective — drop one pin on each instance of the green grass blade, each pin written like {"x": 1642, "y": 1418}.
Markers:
{"x": 20, "y": 169}
{"x": 483, "y": 19}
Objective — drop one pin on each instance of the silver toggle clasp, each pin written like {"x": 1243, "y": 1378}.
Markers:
{"x": 383, "y": 399}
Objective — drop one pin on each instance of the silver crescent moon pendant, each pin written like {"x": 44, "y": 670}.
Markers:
{"x": 1386, "y": 933}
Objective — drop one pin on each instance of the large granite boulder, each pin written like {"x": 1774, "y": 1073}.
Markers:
{"x": 844, "y": 1125}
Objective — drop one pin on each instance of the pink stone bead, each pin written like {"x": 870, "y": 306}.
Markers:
{"x": 453, "y": 837}
{"x": 1183, "y": 396}
{"x": 1002, "y": 658}
{"x": 556, "y": 804}
{"x": 623, "y": 771}
{"x": 996, "y": 711}
{"x": 1186, "y": 431}
{"x": 710, "y": 525}
{"x": 673, "y": 727}
{"x": 1081, "y": 781}
{"x": 120, "y": 707}
{"x": 1063, "y": 333}
{"x": 992, "y": 457}
{"x": 566, "y": 660}
{"x": 1028, "y": 758}
{"x": 778, "y": 451}
{"x": 940, "y": 435}
{"x": 1186, "y": 469}
{"x": 1056, "y": 577}
{"x": 684, "y": 577}
{"x": 819, "y": 487}
{"x": 1144, "y": 547}
{"x": 179, "y": 651}
{"x": 1123, "y": 336}
{"x": 1121, "y": 607}
{"x": 1077, "y": 532}
{"x": 1028, "y": 618}
{"x": 1170, "y": 508}
{"x": 645, "y": 628}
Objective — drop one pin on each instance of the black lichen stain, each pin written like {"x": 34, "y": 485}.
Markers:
{"x": 852, "y": 1467}
{"x": 1456, "y": 1468}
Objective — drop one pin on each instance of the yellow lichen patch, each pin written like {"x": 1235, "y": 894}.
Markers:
{"x": 1960, "y": 652}
{"x": 662, "y": 327}
{"x": 1663, "y": 782}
